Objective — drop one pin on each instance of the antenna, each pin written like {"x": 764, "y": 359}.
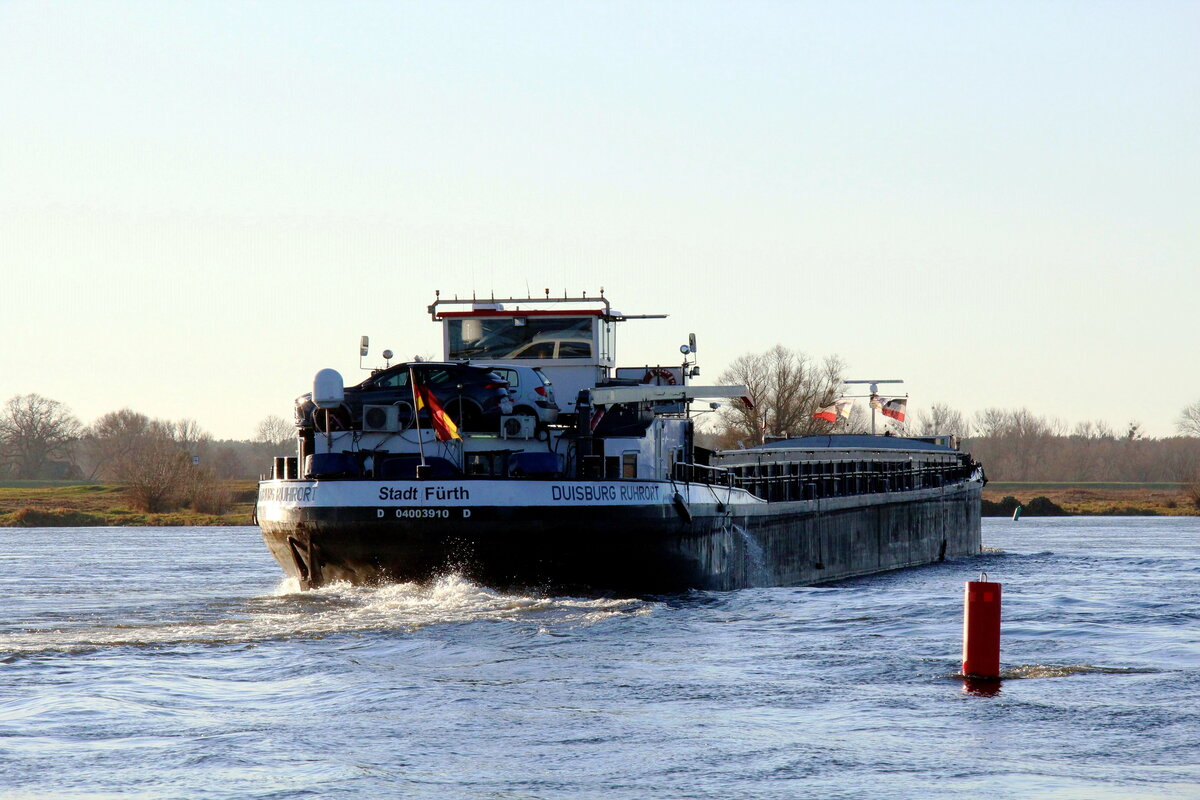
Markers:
{"x": 689, "y": 368}
{"x": 874, "y": 391}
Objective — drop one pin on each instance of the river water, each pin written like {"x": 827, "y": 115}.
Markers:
{"x": 175, "y": 663}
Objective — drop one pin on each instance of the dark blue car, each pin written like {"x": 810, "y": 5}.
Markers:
{"x": 473, "y": 396}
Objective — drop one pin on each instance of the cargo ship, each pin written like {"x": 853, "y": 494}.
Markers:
{"x": 528, "y": 458}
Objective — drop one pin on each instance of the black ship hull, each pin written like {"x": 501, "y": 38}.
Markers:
{"x": 698, "y": 538}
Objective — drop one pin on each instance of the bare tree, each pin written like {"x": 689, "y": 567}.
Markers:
{"x": 1089, "y": 429}
{"x": 1189, "y": 420}
{"x": 111, "y": 439}
{"x": 156, "y": 470}
{"x": 190, "y": 437}
{"x": 1020, "y": 444}
{"x": 787, "y": 387}
{"x": 152, "y": 458}
{"x": 34, "y": 431}
{"x": 991, "y": 422}
{"x": 941, "y": 420}
{"x": 275, "y": 432}
{"x": 1088, "y": 458}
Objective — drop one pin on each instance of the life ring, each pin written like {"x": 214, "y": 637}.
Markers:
{"x": 654, "y": 376}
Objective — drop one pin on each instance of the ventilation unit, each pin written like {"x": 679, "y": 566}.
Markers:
{"x": 518, "y": 426}
{"x": 381, "y": 418}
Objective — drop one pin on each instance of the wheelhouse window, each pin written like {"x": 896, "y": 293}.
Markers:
{"x": 629, "y": 464}
{"x": 482, "y": 338}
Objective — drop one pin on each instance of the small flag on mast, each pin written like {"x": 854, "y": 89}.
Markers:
{"x": 894, "y": 408}
{"x": 830, "y": 413}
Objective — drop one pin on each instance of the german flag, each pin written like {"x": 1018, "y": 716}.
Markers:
{"x": 443, "y": 426}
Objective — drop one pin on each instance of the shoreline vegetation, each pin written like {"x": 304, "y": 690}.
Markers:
{"x": 1000, "y": 499}
{"x": 50, "y": 504}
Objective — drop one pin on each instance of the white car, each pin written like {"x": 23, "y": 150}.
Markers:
{"x": 553, "y": 347}
{"x": 531, "y": 392}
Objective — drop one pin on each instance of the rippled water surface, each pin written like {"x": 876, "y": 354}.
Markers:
{"x": 174, "y": 662}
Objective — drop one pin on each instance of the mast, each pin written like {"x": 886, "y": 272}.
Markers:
{"x": 874, "y": 393}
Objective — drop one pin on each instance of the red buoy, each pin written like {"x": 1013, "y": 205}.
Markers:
{"x": 981, "y": 629}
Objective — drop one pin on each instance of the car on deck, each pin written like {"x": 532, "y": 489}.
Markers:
{"x": 530, "y": 390}
{"x": 475, "y": 397}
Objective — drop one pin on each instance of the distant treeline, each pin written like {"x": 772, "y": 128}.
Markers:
{"x": 1019, "y": 446}
{"x": 1070, "y": 459}
{"x": 164, "y": 464}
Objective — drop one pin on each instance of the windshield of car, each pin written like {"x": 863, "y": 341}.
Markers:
{"x": 525, "y": 337}
{"x": 392, "y": 378}
{"x": 428, "y": 375}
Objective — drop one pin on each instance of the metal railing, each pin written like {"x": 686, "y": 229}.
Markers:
{"x": 810, "y": 480}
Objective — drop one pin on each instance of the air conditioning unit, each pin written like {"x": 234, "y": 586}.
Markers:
{"x": 381, "y": 418}
{"x": 518, "y": 426}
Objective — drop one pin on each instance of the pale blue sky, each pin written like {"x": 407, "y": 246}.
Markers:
{"x": 201, "y": 204}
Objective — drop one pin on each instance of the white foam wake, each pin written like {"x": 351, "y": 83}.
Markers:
{"x": 337, "y": 608}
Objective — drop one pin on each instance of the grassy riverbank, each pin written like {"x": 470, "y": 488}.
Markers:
{"x": 52, "y": 504}
{"x": 1101, "y": 499}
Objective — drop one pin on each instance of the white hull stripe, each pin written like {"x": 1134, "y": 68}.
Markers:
{"x": 457, "y": 494}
